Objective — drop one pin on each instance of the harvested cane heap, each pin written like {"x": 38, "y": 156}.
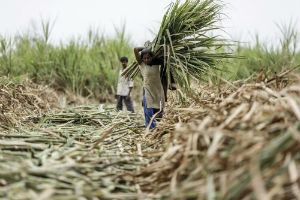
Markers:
{"x": 235, "y": 141}
{"x": 18, "y": 101}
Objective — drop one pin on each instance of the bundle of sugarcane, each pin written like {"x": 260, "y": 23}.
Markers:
{"x": 184, "y": 41}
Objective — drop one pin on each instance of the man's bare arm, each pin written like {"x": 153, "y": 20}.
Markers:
{"x": 137, "y": 55}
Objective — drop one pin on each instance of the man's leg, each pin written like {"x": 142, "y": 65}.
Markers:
{"x": 148, "y": 112}
{"x": 158, "y": 113}
{"x": 129, "y": 105}
{"x": 120, "y": 103}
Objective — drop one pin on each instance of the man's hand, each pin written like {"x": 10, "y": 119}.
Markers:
{"x": 128, "y": 95}
{"x": 116, "y": 96}
{"x": 147, "y": 44}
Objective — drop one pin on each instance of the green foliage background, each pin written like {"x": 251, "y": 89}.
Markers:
{"x": 89, "y": 65}
{"x": 86, "y": 66}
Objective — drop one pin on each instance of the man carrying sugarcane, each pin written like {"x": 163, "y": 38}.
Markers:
{"x": 155, "y": 85}
{"x": 185, "y": 45}
{"x": 125, "y": 86}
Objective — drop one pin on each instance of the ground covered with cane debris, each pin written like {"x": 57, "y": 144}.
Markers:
{"x": 234, "y": 140}
{"x": 86, "y": 151}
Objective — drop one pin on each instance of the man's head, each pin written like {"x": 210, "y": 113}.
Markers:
{"x": 147, "y": 56}
{"x": 124, "y": 61}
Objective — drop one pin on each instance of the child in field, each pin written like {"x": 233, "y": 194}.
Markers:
{"x": 154, "y": 84}
{"x": 125, "y": 86}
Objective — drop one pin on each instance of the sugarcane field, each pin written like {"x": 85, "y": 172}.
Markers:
{"x": 187, "y": 113}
